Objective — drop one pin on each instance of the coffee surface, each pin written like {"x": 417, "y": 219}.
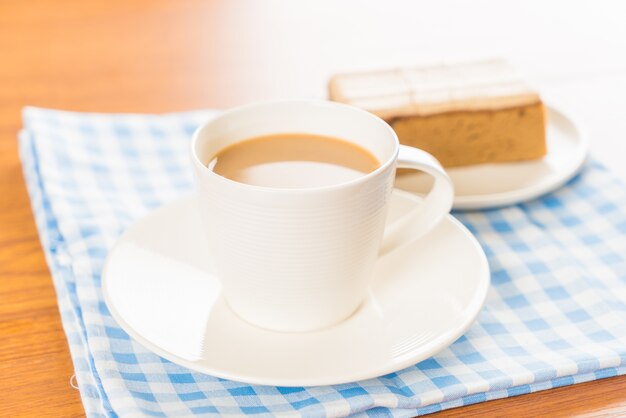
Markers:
{"x": 293, "y": 160}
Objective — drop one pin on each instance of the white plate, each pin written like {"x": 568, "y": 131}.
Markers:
{"x": 159, "y": 286}
{"x": 492, "y": 185}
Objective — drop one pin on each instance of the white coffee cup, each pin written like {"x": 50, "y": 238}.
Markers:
{"x": 301, "y": 259}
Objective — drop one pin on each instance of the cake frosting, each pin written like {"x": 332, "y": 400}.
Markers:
{"x": 484, "y": 85}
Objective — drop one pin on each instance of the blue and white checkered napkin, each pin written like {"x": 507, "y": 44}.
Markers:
{"x": 555, "y": 314}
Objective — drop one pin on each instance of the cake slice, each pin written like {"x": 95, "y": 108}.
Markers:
{"x": 463, "y": 114}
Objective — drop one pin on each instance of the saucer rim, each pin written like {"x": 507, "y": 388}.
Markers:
{"x": 435, "y": 345}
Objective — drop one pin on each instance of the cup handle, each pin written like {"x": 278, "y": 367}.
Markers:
{"x": 430, "y": 211}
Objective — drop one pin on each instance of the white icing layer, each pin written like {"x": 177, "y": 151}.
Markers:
{"x": 484, "y": 85}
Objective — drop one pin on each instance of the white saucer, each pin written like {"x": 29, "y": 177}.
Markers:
{"x": 159, "y": 286}
{"x": 493, "y": 185}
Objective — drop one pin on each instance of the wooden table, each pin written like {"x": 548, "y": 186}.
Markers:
{"x": 147, "y": 56}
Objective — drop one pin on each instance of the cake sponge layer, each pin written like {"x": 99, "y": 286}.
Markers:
{"x": 476, "y": 137}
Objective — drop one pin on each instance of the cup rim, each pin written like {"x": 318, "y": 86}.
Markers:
{"x": 325, "y": 103}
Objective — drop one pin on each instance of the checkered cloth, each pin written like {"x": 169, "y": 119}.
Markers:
{"x": 555, "y": 314}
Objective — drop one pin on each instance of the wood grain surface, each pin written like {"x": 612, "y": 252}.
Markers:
{"x": 156, "y": 56}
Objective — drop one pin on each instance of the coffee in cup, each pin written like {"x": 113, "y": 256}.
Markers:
{"x": 293, "y": 160}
